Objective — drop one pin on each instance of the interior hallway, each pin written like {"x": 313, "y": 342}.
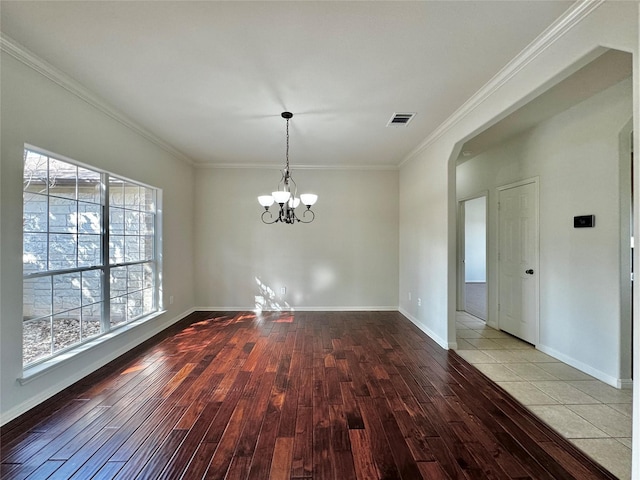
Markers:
{"x": 589, "y": 413}
{"x": 475, "y": 299}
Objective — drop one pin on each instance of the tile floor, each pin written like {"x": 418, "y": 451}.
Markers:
{"x": 591, "y": 414}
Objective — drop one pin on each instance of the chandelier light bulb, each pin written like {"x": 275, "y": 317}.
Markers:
{"x": 266, "y": 200}
{"x": 308, "y": 199}
{"x": 294, "y": 202}
{"x": 281, "y": 197}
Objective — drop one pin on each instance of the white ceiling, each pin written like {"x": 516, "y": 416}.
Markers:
{"x": 211, "y": 78}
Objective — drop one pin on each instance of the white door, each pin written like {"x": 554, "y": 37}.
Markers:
{"x": 518, "y": 261}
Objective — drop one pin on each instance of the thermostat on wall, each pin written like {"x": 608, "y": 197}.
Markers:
{"x": 584, "y": 221}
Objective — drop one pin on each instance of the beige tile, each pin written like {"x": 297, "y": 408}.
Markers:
{"x": 483, "y": 343}
{"x": 624, "y": 408}
{"x": 610, "y": 453}
{"x": 498, "y": 372}
{"x": 506, "y": 356}
{"x": 563, "y": 392}
{"x": 605, "y": 418}
{"x": 464, "y": 345}
{"x": 563, "y": 371}
{"x": 566, "y": 422}
{"x": 475, "y": 356}
{"x": 512, "y": 344}
{"x": 473, "y": 323}
{"x": 603, "y": 392}
{"x": 468, "y": 334}
{"x": 529, "y": 371}
{"x": 491, "y": 333}
{"x": 626, "y": 441}
{"x": 527, "y": 394}
{"x": 484, "y": 328}
{"x": 536, "y": 356}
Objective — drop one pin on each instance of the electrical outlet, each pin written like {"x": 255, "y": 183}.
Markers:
{"x": 171, "y": 300}
{"x": 283, "y": 290}
{"x": 409, "y": 296}
{"x": 419, "y": 302}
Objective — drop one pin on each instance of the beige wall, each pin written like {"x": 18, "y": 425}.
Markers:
{"x": 39, "y": 112}
{"x": 346, "y": 259}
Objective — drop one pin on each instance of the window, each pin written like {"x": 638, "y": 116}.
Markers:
{"x": 89, "y": 254}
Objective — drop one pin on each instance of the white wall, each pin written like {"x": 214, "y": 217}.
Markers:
{"x": 424, "y": 199}
{"x": 475, "y": 240}
{"x": 37, "y": 111}
{"x": 427, "y": 178}
{"x": 346, "y": 259}
{"x": 575, "y": 155}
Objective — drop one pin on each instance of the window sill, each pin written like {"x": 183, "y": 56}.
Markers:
{"x": 36, "y": 371}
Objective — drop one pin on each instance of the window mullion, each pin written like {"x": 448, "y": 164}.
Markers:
{"x": 106, "y": 272}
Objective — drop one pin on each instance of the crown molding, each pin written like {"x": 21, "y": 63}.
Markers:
{"x": 31, "y": 60}
{"x": 254, "y": 166}
{"x": 573, "y": 16}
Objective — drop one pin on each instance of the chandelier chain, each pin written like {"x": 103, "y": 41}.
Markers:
{"x": 287, "y": 156}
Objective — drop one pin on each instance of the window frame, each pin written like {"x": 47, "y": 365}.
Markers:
{"x": 103, "y": 265}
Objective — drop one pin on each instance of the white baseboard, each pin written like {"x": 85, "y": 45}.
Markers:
{"x": 83, "y": 372}
{"x": 583, "y": 367}
{"x": 301, "y": 309}
{"x": 625, "y": 383}
{"x": 436, "y": 338}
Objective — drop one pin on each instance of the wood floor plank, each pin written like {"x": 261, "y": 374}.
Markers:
{"x": 351, "y": 408}
{"x": 363, "y": 455}
{"x": 282, "y": 458}
{"x": 191, "y": 442}
{"x": 158, "y": 461}
{"x": 304, "y": 395}
{"x": 287, "y": 425}
{"x": 227, "y": 444}
{"x": 302, "y": 463}
{"x": 46, "y": 469}
{"x": 379, "y": 443}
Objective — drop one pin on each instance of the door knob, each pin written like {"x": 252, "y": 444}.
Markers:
{"x": 529, "y": 272}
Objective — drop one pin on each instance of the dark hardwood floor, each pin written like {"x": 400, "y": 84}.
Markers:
{"x": 299, "y": 396}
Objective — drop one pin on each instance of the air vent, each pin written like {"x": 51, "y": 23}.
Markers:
{"x": 400, "y": 119}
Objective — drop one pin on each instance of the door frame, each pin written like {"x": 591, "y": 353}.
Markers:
{"x": 536, "y": 183}
{"x": 460, "y": 297}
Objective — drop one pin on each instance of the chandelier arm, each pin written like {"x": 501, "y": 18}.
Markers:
{"x": 270, "y": 215}
{"x": 304, "y": 214}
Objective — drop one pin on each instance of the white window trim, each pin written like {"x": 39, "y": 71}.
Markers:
{"x": 39, "y": 368}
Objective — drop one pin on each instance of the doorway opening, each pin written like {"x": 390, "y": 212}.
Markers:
{"x": 473, "y": 257}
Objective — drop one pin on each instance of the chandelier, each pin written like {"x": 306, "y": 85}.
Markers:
{"x": 286, "y": 196}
